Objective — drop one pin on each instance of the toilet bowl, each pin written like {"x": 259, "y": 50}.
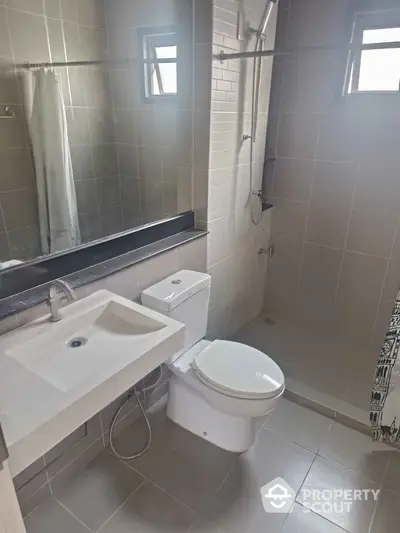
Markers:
{"x": 217, "y": 389}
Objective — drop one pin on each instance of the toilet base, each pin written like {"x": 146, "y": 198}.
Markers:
{"x": 190, "y": 410}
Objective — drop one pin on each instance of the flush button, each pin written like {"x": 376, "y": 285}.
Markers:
{"x": 176, "y": 281}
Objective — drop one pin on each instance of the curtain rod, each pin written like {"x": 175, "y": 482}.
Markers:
{"x": 222, "y": 56}
{"x": 92, "y": 62}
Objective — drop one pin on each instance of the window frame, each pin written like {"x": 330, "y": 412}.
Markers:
{"x": 161, "y": 36}
{"x": 370, "y": 21}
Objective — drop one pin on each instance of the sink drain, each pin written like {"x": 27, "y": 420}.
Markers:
{"x": 77, "y": 343}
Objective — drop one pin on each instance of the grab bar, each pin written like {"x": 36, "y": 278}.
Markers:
{"x": 9, "y": 113}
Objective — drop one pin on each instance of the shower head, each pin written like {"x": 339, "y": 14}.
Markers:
{"x": 265, "y": 17}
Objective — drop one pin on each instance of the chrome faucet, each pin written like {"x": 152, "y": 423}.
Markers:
{"x": 59, "y": 289}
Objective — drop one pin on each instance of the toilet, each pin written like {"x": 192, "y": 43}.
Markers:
{"x": 217, "y": 389}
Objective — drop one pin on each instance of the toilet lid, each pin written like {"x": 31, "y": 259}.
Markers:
{"x": 239, "y": 370}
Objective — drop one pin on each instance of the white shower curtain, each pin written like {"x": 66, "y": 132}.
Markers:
{"x": 58, "y": 216}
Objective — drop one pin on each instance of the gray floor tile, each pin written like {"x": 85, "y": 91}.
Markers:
{"x": 387, "y": 515}
{"x": 204, "y": 526}
{"x": 237, "y": 507}
{"x": 52, "y": 517}
{"x": 299, "y": 424}
{"x": 392, "y": 475}
{"x": 30, "y": 503}
{"x": 189, "y": 468}
{"x": 297, "y": 348}
{"x": 301, "y": 520}
{"x": 357, "y": 452}
{"x": 325, "y": 475}
{"x": 150, "y": 510}
{"x": 96, "y": 492}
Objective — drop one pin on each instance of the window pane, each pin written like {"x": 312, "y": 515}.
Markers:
{"x": 383, "y": 35}
{"x": 166, "y": 52}
{"x": 380, "y": 70}
{"x": 169, "y": 77}
{"x": 155, "y": 89}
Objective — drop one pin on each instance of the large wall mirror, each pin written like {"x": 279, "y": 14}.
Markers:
{"x": 96, "y": 120}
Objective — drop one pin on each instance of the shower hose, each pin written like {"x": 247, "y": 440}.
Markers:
{"x": 133, "y": 392}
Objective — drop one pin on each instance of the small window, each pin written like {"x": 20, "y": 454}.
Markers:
{"x": 376, "y": 65}
{"x": 160, "y": 54}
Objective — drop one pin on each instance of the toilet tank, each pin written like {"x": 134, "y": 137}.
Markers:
{"x": 185, "y": 297}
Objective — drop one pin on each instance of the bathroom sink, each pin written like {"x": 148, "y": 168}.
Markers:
{"x": 94, "y": 336}
{"x": 56, "y": 376}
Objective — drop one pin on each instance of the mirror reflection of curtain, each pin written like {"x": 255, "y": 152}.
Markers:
{"x": 58, "y": 216}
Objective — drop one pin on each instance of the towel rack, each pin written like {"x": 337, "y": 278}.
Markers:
{"x": 8, "y": 113}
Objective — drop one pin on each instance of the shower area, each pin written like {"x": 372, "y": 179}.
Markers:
{"x": 331, "y": 173}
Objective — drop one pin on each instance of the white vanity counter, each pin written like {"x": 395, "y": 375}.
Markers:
{"x": 48, "y": 388}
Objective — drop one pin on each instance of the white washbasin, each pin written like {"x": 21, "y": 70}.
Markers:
{"x": 55, "y": 376}
{"x": 88, "y": 339}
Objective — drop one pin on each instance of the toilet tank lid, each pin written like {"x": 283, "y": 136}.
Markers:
{"x": 174, "y": 290}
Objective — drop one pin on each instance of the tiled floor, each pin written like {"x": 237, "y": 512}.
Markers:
{"x": 331, "y": 369}
{"x": 183, "y": 484}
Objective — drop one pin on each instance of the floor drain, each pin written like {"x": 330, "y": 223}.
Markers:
{"x": 77, "y": 343}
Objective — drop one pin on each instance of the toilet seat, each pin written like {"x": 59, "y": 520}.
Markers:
{"x": 238, "y": 370}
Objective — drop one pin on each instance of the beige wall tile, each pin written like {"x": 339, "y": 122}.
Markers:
{"x": 333, "y": 184}
{"x": 202, "y": 76}
{"x": 289, "y": 219}
{"x": 218, "y": 240}
{"x": 34, "y": 49}
{"x": 5, "y": 46}
{"x": 78, "y": 126}
{"x": 19, "y": 208}
{"x": 221, "y": 192}
{"x": 339, "y": 137}
{"x": 309, "y": 84}
{"x": 124, "y": 126}
{"x": 330, "y": 205}
{"x": 25, "y": 243}
{"x": 327, "y": 225}
{"x": 127, "y": 160}
{"x": 293, "y": 179}
{"x": 203, "y": 16}
{"x": 359, "y": 291}
{"x": 53, "y": 8}
{"x": 319, "y": 281}
{"x": 82, "y": 162}
{"x": 378, "y": 186}
{"x": 283, "y": 276}
{"x": 111, "y": 221}
{"x": 318, "y": 23}
{"x": 91, "y": 13}
{"x": 154, "y": 270}
{"x": 201, "y": 140}
{"x": 105, "y": 160}
{"x": 16, "y": 170}
{"x": 13, "y": 132}
{"x": 56, "y": 40}
{"x": 298, "y": 136}
{"x": 30, "y": 6}
{"x": 108, "y": 192}
{"x": 193, "y": 256}
{"x": 372, "y": 232}
{"x": 69, "y": 10}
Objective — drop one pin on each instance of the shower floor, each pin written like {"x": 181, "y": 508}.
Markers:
{"x": 334, "y": 374}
